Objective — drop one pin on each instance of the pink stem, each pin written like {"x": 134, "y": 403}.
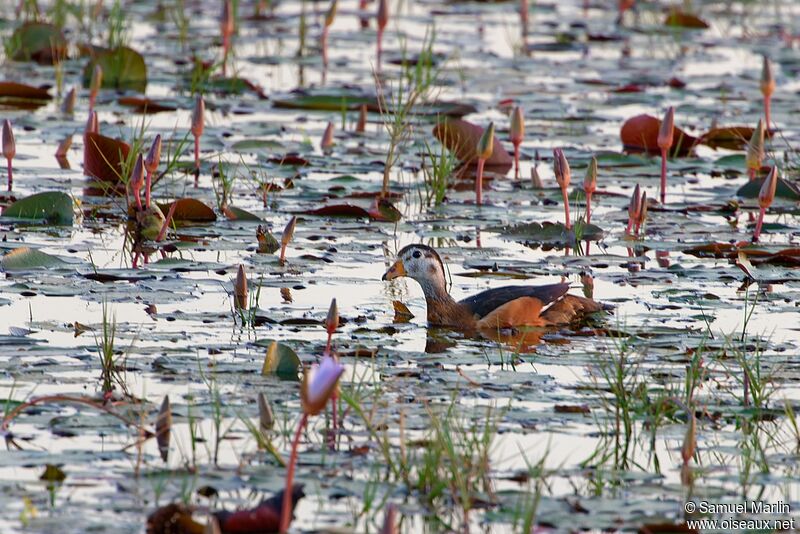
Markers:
{"x": 630, "y": 225}
{"x": 588, "y": 208}
{"x": 10, "y": 175}
{"x": 197, "y": 153}
{"x": 757, "y": 233}
{"x": 226, "y": 44}
{"x": 479, "y": 182}
{"x": 325, "y": 47}
{"x": 766, "y": 109}
{"x": 147, "y": 185}
{"x": 164, "y": 228}
{"x": 663, "y": 175}
{"x": 566, "y": 207}
{"x": 286, "y": 512}
{"x": 516, "y": 161}
{"x": 138, "y": 200}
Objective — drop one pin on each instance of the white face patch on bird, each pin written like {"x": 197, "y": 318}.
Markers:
{"x": 421, "y": 263}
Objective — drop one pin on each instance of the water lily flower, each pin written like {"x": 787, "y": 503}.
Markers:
{"x": 590, "y": 186}
{"x": 516, "y": 136}
{"x": 665, "y": 140}
{"x": 634, "y": 208}
{"x": 95, "y": 84}
{"x": 755, "y": 150}
{"x": 198, "y": 125}
{"x": 383, "y": 20}
{"x": 151, "y": 165}
{"x": 562, "y": 172}
{"x": 137, "y": 180}
{"x": 9, "y": 149}
{"x": 767, "y": 86}
{"x": 765, "y": 197}
{"x": 484, "y": 151}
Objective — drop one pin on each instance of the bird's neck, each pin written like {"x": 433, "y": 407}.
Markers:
{"x": 435, "y": 291}
{"x": 442, "y": 309}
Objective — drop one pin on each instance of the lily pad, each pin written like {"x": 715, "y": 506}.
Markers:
{"x": 123, "y": 68}
{"x": 21, "y": 96}
{"x": 189, "y": 210}
{"x": 37, "y": 41}
{"x": 784, "y": 189}
{"x": 281, "y": 360}
{"x": 640, "y": 134}
{"x": 551, "y": 233}
{"x": 104, "y": 157}
{"x": 54, "y": 207}
{"x": 28, "y": 259}
{"x": 462, "y": 137}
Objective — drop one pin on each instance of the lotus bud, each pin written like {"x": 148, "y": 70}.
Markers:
{"x": 361, "y": 126}
{"x": 767, "y": 193}
{"x": 561, "y": 168}
{"x": 327, "y": 138}
{"x": 92, "y": 125}
{"x": 634, "y": 208}
{"x": 330, "y": 16}
{"x": 319, "y": 385}
{"x": 332, "y": 320}
{"x": 689, "y": 440}
{"x": 590, "y": 180}
{"x": 266, "y": 419}
{"x": 240, "y": 289}
{"x": 198, "y": 116}
{"x": 755, "y": 150}
{"x": 68, "y": 104}
{"x": 486, "y": 143}
{"x": 517, "y": 126}
{"x": 383, "y": 14}
{"x": 95, "y": 84}
{"x": 665, "y": 132}
{"x": 137, "y": 180}
{"x": 9, "y": 143}
{"x": 153, "y": 155}
{"x": 286, "y": 237}
{"x": 767, "y": 83}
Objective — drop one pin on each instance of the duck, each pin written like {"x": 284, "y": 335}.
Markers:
{"x": 506, "y": 307}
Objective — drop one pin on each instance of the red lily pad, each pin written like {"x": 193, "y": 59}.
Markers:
{"x": 640, "y": 134}
{"x": 21, "y": 96}
{"x": 104, "y": 157}
{"x": 189, "y": 210}
{"x": 145, "y": 105}
{"x": 681, "y": 19}
{"x": 462, "y": 137}
{"x": 380, "y": 210}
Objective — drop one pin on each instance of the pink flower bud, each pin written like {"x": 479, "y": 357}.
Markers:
{"x": 767, "y": 81}
{"x": 332, "y": 320}
{"x": 319, "y": 385}
{"x": 561, "y": 168}
{"x": 154, "y": 155}
{"x": 198, "y": 116}
{"x": 665, "y": 133}
{"x": 240, "y": 289}
{"x": 590, "y": 180}
{"x": 517, "y": 126}
{"x": 767, "y": 193}
{"x": 383, "y": 14}
{"x": 9, "y": 144}
{"x": 486, "y": 143}
{"x": 327, "y": 138}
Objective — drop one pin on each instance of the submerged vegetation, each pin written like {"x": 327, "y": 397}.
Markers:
{"x": 194, "y": 335}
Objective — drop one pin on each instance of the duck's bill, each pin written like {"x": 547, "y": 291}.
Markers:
{"x": 395, "y": 271}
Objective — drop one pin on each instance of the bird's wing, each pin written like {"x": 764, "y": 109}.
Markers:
{"x": 490, "y": 300}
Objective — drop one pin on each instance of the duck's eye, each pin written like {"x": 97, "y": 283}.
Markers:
{"x": 417, "y": 254}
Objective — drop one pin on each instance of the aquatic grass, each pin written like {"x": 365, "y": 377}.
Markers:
{"x": 110, "y": 376}
{"x": 437, "y": 171}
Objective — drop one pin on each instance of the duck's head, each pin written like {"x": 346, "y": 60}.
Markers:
{"x": 420, "y": 262}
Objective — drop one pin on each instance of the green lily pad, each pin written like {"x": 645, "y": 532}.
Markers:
{"x": 123, "y": 68}
{"x": 55, "y": 207}
{"x": 551, "y": 233}
{"x": 784, "y": 189}
{"x": 26, "y": 259}
{"x": 37, "y": 41}
{"x": 281, "y": 360}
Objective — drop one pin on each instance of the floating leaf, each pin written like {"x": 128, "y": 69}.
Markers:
{"x": 123, "y": 68}
{"x": 381, "y": 210}
{"x": 145, "y": 105}
{"x": 238, "y": 214}
{"x": 571, "y": 408}
{"x": 282, "y": 361}
{"x": 38, "y": 41}
{"x": 55, "y": 207}
{"x": 27, "y": 259}
{"x": 677, "y": 18}
{"x": 21, "y": 96}
{"x": 551, "y": 233}
{"x": 104, "y": 157}
{"x": 640, "y": 134}
{"x": 462, "y": 137}
{"x": 352, "y": 100}
{"x": 784, "y": 189}
{"x": 189, "y": 210}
